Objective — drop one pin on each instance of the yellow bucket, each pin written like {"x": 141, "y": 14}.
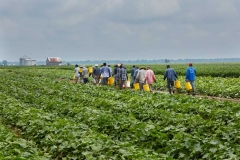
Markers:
{"x": 111, "y": 81}
{"x": 188, "y": 86}
{"x": 90, "y": 70}
{"x": 80, "y": 70}
{"x": 177, "y": 84}
{"x": 74, "y": 77}
{"x": 136, "y": 86}
{"x": 146, "y": 88}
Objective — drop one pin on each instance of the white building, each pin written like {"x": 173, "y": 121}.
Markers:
{"x": 26, "y": 61}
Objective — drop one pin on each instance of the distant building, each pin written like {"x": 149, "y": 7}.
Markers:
{"x": 53, "y": 61}
{"x": 26, "y": 61}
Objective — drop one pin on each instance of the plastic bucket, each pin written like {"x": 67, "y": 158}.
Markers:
{"x": 80, "y": 70}
{"x": 177, "y": 84}
{"x": 90, "y": 70}
{"x": 110, "y": 80}
{"x": 146, "y": 88}
{"x": 74, "y": 77}
{"x": 136, "y": 86}
{"x": 128, "y": 84}
{"x": 188, "y": 86}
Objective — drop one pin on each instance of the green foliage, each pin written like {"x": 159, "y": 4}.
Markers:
{"x": 203, "y": 69}
{"x": 210, "y": 86}
{"x": 75, "y": 121}
{"x": 15, "y": 148}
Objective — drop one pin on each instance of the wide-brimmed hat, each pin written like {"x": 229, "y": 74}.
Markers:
{"x": 96, "y": 65}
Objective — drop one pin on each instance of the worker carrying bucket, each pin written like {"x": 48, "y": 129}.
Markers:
{"x": 171, "y": 76}
{"x": 190, "y": 78}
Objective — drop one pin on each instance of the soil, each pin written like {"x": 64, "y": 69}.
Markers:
{"x": 205, "y": 96}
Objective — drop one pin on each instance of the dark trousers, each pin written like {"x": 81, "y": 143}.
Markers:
{"x": 170, "y": 85}
{"x": 105, "y": 80}
{"x": 85, "y": 80}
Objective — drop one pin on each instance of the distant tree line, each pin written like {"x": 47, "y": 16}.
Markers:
{"x": 158, "y": 61}
{"x": 138, "y": 61}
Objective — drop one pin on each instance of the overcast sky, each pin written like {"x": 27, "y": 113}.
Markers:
{"x": 119, "y": 29}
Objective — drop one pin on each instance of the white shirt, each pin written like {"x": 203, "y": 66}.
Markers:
{"x": 76, "y": 72}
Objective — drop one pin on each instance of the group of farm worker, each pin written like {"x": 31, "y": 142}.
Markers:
{"x": 138, "y": 75}
{"x": 171, "y": 76}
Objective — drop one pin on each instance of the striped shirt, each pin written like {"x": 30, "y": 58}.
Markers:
{"x": 122, "y": 74}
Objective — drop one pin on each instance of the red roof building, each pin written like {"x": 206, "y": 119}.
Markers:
{"x": 53, "y": 61}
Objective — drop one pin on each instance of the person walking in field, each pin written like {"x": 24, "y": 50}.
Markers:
{"x": 122, "y": 76}
{"x": 150, "y": 78}
{"x": 85, "y": 74}
{"x": 115, "y": 74}
{"x": 135, "y": 74}
{"x": 96, "y": 74}
{"x": 132, "y": 74}
{"x": 141, "y": 77}
{"x": 76, "y": 73}
{"x": 171, "y": 76}
{"x": 118, "y": 72}
{"x": 105, "y": 71}
{"x": 80, "y": 72}
{"x": 191, "y": 76}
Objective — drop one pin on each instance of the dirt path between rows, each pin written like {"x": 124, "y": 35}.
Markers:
{"x": 204, "y": 96}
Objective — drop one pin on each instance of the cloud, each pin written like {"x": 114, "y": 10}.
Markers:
{"x": 208, "y": 11}
{"x": 143, "y": 11}
{"x": 126, "y": 29}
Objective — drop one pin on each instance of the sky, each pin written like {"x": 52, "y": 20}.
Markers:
{"x": 119, "y": 29}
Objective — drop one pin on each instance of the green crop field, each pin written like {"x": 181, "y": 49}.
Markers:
{"x": 45, "y": 115}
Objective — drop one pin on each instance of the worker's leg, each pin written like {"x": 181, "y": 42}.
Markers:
{"x": 169, "y": 86}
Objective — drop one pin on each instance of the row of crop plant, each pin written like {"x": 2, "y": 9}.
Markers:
{"x": 85, "y": 121}
{"x": 211, "y": 86}
{"x": 12, "y": 146}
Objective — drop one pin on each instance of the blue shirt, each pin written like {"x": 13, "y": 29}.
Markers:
{"x": 132, "y": 71}
{"x": 170, "y": 74}
{"x": 190, "y": 73}
{"x": 96, "y": 71}
{"x": 105, "y": 71}
{"x": 135, "y": 73}
{"x": 110, "y": 71}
